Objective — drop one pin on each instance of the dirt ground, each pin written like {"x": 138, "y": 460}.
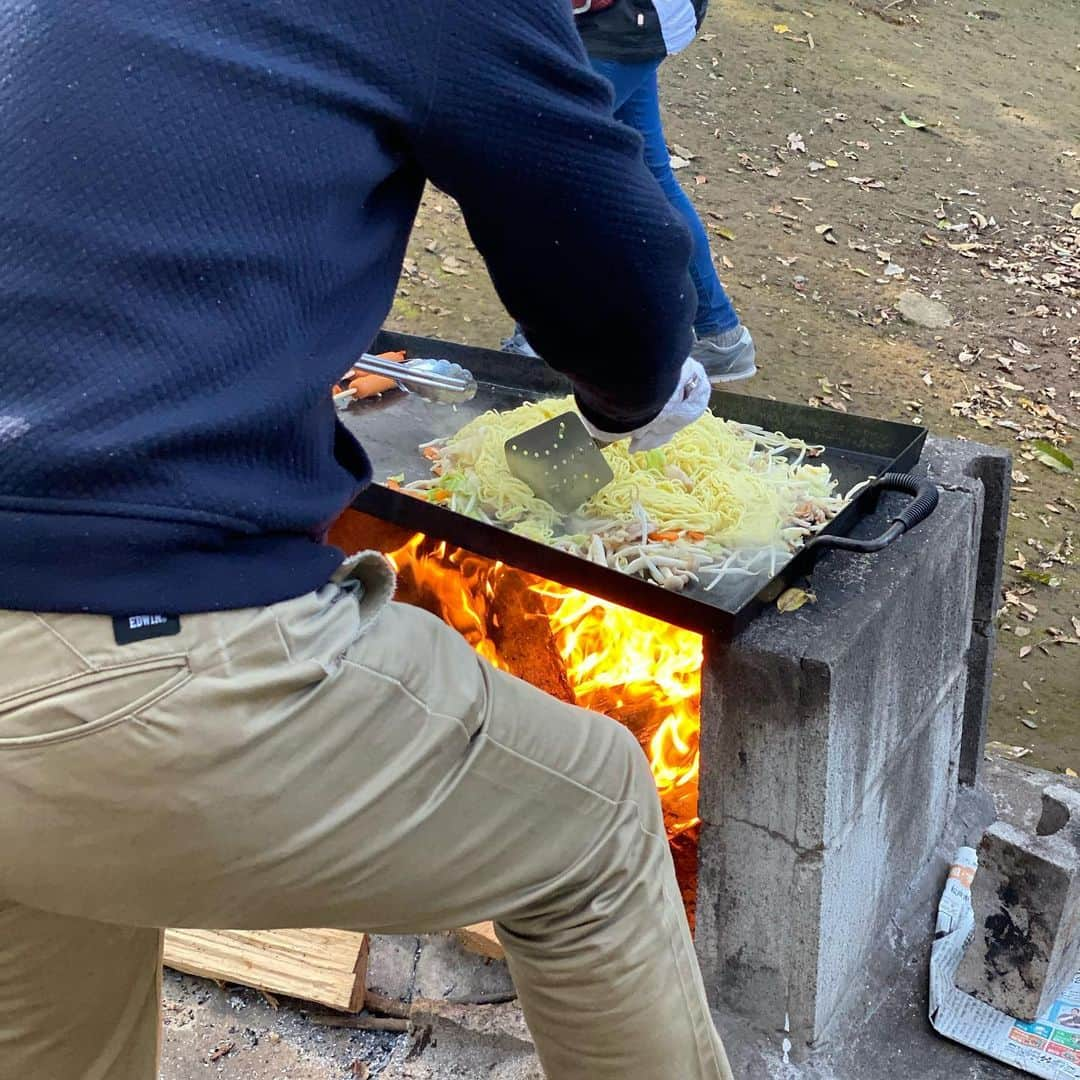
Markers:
{"x": 844, "y": 151}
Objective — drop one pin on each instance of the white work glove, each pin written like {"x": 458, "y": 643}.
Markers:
{"x": 690, "y": 400}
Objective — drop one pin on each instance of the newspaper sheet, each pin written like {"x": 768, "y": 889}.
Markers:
{"x": 1049, "y": 1047}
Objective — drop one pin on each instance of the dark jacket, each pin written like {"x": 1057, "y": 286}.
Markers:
{"x": 203, "y": 216}
{"x": 638, "y": 31}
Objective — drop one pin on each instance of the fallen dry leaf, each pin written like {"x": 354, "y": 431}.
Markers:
{"x": 452, "y": 265}
{"x": 867, "y": 183}
{"x": 793, "y": 599}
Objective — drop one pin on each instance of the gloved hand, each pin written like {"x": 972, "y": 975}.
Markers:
{"x": 690, "y": 400}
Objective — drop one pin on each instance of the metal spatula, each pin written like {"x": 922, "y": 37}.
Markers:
{"x": 560, "y": 461}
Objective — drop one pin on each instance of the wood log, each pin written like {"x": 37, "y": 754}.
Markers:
{"x": 362, "y": 1023}
{"x": 374, "y": 1002}
{"x": 684, "y": 851}
{"x": 328, "y": 967}
{"x": 480, "y": 939}
{"x": 521, "y": 632}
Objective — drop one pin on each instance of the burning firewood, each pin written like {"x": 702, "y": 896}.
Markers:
{"x": 521, "y": 632}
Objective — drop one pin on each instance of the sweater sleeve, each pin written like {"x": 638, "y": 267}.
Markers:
{"x": 582, "y": 246}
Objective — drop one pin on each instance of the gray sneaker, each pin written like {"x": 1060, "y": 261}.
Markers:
{"x": 516, "y": 343}
{"x": 727, "y": 362}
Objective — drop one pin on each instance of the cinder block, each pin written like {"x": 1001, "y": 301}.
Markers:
{"x": 1026, "y": 895}
{"x": 951, "y": 461}
{"x": 980, "y": 674}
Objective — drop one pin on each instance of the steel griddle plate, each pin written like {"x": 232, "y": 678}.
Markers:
{"x": 392, "y": 427}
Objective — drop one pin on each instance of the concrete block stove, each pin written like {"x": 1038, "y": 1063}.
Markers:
{"x": 836, "y": 743}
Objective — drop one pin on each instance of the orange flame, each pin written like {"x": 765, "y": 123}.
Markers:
{"x": 636, "y": 669}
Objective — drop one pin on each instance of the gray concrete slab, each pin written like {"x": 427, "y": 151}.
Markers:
{"x": 392, "y": 962}
{"x": 446, "y": 971}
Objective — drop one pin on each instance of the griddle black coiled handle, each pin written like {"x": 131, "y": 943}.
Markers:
{"x": 919, "y": 509}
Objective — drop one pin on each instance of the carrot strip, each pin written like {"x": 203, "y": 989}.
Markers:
{"x": 367, "y": 385}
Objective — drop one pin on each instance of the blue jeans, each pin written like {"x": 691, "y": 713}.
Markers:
{"x": 637, "y": 104}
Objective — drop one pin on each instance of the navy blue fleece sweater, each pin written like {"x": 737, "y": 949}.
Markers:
{"x": 204, "y": 209}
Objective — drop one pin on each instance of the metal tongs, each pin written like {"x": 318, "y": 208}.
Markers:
{"x": 441, "y": 381}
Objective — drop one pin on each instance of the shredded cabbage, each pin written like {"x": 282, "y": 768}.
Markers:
{"x": 719, "y": 497}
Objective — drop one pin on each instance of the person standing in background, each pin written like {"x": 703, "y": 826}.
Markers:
{"x": 627, "y": 40}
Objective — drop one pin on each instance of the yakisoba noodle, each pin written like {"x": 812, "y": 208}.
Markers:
{"x": 719, "y": 498}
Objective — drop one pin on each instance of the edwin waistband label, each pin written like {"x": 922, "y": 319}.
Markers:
{"x": 131, "y": 628}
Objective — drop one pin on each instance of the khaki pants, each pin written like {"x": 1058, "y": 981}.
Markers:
{"x": 336, "y": 760}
